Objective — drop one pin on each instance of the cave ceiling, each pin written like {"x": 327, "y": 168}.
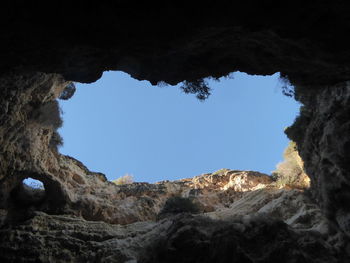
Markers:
{"x": 304, "y": 40}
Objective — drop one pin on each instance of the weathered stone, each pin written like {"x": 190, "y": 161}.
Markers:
{"x": 322, "y": 134}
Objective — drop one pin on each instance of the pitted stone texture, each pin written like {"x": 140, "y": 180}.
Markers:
{"x": 93, "y": 197}
{"x": 182, "y": 238}
{"x": 322, "y": 134}
{"x": 25, "y": 142}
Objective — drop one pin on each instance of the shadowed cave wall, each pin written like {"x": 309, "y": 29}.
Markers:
{"x": 43, "y": 47}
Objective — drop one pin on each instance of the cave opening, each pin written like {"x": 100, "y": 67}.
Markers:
{"x": 30, "y": 192}
{"x": 119, "y": 125}
{"x": 33, "y": 183}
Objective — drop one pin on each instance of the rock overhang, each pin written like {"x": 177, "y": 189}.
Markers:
{"x": 167, "y": 42}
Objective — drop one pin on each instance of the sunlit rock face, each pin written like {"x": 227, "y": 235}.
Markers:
{"x": 96, "y": 199}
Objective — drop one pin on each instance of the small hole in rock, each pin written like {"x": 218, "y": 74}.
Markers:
{"x": 30, "y": 192}
{"x": 35, "y": 184}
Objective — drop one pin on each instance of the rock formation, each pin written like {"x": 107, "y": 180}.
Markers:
{"x": 45, "y": 46}
{"x": 244, "y": 217}
{"x": 322, "y": 134}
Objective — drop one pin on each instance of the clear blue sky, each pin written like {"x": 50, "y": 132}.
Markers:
{"x": 120, "y": 125}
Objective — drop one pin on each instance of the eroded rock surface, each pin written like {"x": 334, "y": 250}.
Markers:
{"x": 265, "y": 225}
{"x": 26, "y": 139}
{"x": 101, "y": 200}
{"x": 237, "y": 207}
{"x": 322, "y": 134}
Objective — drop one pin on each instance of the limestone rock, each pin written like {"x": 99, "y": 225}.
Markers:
{"x": 322, "y": 134}
{"x": 182, "y": 238}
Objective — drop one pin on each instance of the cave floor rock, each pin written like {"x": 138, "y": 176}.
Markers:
{"x": 267, "y": 224}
